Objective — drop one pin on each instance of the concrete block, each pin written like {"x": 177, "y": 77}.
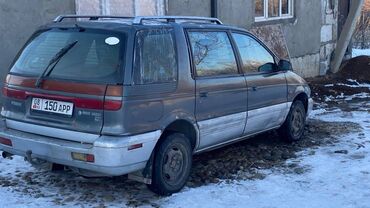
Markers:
{"x": 326, "y": 33}
{"x": 307, "y": 66}
{"x": 324, "y": 67}
{"x": 330, "y": 19}
{"x": 322, "y": 52}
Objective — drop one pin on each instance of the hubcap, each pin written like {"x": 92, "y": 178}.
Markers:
{"x": 297, "y": 122}
{"x": 173, "y": 165}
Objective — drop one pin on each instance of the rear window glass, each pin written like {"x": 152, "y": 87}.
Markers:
{"x": 95, "y": 57}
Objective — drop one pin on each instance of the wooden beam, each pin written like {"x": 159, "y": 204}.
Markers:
{"x": 346, "y": 34}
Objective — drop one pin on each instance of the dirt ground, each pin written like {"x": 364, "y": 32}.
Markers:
{"x": 353, "y": 71}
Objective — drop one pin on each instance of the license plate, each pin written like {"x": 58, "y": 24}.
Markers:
{"x": 52, "y": 106}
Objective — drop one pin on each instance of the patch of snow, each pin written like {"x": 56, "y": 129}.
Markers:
{"x": 355, "y": 84}
{"x": 333, "y": 180}
{"x": 362, "y": 95}
{"x": 360, "y": 52}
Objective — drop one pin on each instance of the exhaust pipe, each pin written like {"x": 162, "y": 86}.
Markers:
{"x": 7, "y": 155}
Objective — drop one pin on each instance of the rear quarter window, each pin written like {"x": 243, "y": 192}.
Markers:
{"x": 155, "y": 57}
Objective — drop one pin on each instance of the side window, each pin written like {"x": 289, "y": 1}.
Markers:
{"x": 212, "y": 53}
{"x": 254, "y": 56}
{"x": 155, "y": 57}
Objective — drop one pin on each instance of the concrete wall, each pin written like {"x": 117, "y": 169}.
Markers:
{"x": 303, "y": 36}
{"x": 120, "y": 7}
{"x": 19, "y": 19}
{"x": 189, "y": 8}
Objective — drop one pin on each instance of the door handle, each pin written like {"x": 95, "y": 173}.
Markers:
{"x": 203, "y": 94}
{"x": 254, "y": 88}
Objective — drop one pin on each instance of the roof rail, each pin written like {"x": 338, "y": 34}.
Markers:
{"x": 139, "y": 20}
{"x": 60, "y": 18}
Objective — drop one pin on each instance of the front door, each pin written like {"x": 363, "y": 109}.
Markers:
{"x": 221, "y": 91}
{"x": 267, "y": 87}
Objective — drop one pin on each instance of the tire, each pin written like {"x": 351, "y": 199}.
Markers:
{"x": 293, "y": 127}
{"x": 172, "y": 164}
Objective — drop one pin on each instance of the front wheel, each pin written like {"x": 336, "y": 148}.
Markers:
{"x": 172, "y": 164}
{"x": 293, "y": 127}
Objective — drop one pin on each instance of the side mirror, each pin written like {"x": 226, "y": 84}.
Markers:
{"x": 285, "y": 65}
{"x": 268, "y": 67}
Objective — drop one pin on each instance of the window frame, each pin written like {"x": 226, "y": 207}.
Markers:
{"x": 265, "y": 16}
{"x": 276, "y": 59}
{"x": 233, "y": 46}
{"x": 173, "y": 34}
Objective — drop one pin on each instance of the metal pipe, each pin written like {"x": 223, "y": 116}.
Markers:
{"x": 214, "y": 8}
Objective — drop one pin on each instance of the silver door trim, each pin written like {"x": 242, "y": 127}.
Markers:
{"x": 225, "y": 129}
{"x": 52, "y": 132}
{"x": 217, "y": 130}
{"x": 266, "y": 117}
{"x": 232, "y": 141}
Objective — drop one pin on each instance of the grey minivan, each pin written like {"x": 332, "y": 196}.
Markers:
{"x": 109, "y": 95}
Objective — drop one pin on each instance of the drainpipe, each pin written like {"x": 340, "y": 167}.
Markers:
{"x": 346, "y": 34}
{"x": 214, "y": 8}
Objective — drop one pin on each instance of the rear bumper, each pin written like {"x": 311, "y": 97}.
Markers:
{"x": 112, "y": 156}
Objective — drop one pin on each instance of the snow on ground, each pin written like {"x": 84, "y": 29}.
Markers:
{"x": 360, "y": 52}
{"x": 354, "y": 84}
{"x": 328, "y": 179}
{"x": 331, "y": 180}
{"x": 10, "y": 199}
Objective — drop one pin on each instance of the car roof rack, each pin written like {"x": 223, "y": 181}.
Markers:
{"x": 60, "y": 18}
{"x": 140, "y": 19}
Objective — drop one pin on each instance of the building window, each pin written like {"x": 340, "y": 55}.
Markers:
{"x": 273, "y": 9}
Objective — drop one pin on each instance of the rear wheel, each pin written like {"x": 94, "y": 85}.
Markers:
{"x": 172, "y": 164}
{"x": 293, "y": 127}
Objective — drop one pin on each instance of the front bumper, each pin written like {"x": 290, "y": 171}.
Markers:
{"x": 111, "y": 153}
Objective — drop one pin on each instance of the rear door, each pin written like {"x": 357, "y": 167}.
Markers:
{"x": 70, "y": 102}
{"x": 221, "y": 93}
{"x": 267, "y": 87}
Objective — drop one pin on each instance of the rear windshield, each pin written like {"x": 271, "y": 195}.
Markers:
{"x": 96, "y": 57}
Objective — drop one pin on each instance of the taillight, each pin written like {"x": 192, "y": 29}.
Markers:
{"x": 113, "y": 98}
{"x": 5, "y": 141}
{"x": 112, "y": 105}
{"x": 13, "y": 93}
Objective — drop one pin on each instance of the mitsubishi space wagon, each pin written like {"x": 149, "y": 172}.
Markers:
{"x": 139, "y": 96}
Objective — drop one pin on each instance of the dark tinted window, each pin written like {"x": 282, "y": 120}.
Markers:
{"x": 212, "y": 53}
{"x": 155, "y": 58}
{"x": 95, "y": 57}
{"x": 254, "y": 56}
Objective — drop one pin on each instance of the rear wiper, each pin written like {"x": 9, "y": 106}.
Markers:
{"x": 56, "y": 58}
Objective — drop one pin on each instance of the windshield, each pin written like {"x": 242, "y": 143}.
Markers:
{"x": 95, "y": 57}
